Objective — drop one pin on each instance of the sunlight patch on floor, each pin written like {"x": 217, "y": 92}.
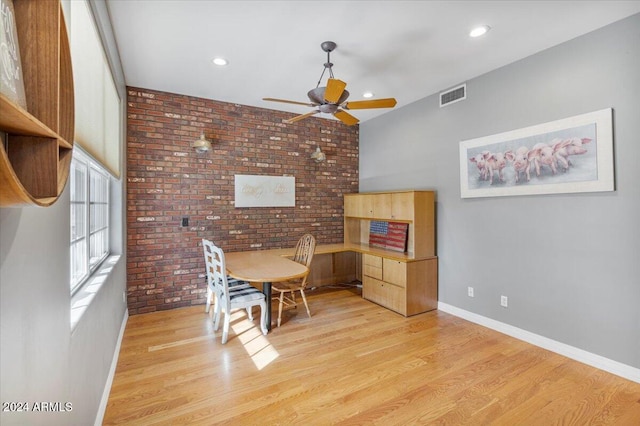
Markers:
{"x": 257, "y": 345}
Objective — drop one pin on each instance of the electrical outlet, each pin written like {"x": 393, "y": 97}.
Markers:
{"x": 470, "y": 291}
{"x": 124, "y": 297}
{"x": 504, "y": 301}
{"x": 185, "y": 221}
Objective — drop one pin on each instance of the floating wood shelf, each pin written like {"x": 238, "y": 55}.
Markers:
{"x": 36, "y": 156}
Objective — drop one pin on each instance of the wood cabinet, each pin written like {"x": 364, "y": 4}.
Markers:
{"x": 35, "y": 155}
{"x": 406, "y": 283}
{"x": 417, "y": 208}
{"x": 396, "y": 206}
{"x": 407, "y": 288}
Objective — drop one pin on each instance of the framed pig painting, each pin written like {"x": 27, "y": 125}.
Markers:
{"x": 570, "y": 155}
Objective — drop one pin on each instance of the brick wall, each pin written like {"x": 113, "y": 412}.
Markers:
{"x": 167, "y": 180}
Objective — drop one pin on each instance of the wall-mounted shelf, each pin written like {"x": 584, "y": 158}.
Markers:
{"x": 36, "y": 156}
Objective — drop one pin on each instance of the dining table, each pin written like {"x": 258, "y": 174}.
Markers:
{"x": 261, "y": 266}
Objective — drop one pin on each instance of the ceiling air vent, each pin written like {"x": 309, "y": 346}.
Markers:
{"x": 456, "y": 94}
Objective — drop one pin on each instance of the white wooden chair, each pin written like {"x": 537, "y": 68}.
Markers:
{"x": 287, "y": 290}
{"x": 233, "y": 282}
{"x": 239, "y": 296}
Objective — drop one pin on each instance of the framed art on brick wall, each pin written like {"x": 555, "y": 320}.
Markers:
{"x": 574, "y": 154}
{"x": 265, "y": 191}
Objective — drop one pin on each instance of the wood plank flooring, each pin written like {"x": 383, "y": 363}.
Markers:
{"x": 352, "y": 363}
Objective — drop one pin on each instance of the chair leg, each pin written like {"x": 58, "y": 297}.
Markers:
{"x": 280, "y": 307}
{"x": 216, "y": 315}
{"x": 209, "y": 297}
{"x": 304, "y": 299}
{"x": 263, "y": 317}
{"x": 249, "y": 313}
{"x": 225, "y": 329}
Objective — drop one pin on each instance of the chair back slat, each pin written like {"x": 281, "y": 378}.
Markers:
{"x": 304, "y": 250}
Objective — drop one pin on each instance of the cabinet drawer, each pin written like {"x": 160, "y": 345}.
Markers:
{"x": 385, "y": 294}
{"x": 372, "y": 266}
{"x": 372, "y": 271}
{"x": 394, "y": 272}
{"x": 371, "y": 260}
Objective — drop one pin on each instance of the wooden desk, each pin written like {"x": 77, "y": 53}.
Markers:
{"x": 357, "y": 248}
{"x": 402, "y": 282}
{"x": 264, "y": 267}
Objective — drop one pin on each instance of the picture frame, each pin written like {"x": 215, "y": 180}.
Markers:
{"x": 264, "y": 191}
{"x": 570, "y": 155}
{"x": 11, "y": 81}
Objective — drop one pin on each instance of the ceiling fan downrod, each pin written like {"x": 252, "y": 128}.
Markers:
{"x": 327, "y": 46}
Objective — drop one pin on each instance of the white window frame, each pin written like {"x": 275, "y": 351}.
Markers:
{"x": 90, "y": 225}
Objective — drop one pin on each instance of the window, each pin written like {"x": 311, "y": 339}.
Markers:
{"x": 89, "y": 217}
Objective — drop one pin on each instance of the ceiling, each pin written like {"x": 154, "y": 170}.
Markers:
{"x": 402, "y": 49}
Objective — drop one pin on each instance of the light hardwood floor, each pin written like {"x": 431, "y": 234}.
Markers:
{"x": 352, "y": 363}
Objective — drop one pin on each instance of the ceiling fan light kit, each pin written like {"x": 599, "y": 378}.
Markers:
{"x": 332, "y": 98}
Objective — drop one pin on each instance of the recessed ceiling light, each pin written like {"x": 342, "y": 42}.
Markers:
{"x": 220, "y": 61}
{"x": 478, "y": 31}
{"x": 367, "y": 95}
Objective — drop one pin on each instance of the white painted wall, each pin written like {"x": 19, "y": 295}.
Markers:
{"x": 569, "y": 263}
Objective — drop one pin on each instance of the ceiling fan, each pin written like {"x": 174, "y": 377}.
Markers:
{"x": 332, "y": 98}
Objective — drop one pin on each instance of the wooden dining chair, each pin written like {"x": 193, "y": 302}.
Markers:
{"x": 286, "y": 290}
{"x": 241, "y": 295}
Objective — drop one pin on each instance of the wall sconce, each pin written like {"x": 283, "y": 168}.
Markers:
{"x": 201, "y": 145}
{"x": 318, "y": 155}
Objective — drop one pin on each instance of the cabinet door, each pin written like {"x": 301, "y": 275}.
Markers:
{"x": 402, "y": 206}
{"x": 358, "y": 205}
{"x": 381, "y": 206}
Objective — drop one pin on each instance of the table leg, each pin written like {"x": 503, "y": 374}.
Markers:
{"x": 266, "y": 289}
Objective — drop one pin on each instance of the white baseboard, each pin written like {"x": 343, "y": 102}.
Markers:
{"x": 597, "y": 361}
{"x": 112, "y": 372}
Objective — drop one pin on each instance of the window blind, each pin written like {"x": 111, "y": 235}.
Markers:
{"x": 97, "y": 104}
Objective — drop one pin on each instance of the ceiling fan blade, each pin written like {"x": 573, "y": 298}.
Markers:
{"x": 300, "y": 117}
{"x": 289, "y": 102}
{"x": 373, "y": 103}
{"x": 334, "y": 90}
{"x": 345, "y": 117}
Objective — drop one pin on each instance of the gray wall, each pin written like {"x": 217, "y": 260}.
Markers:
{"x": 569, "y": 263}
{"x": 41, "y": 359}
